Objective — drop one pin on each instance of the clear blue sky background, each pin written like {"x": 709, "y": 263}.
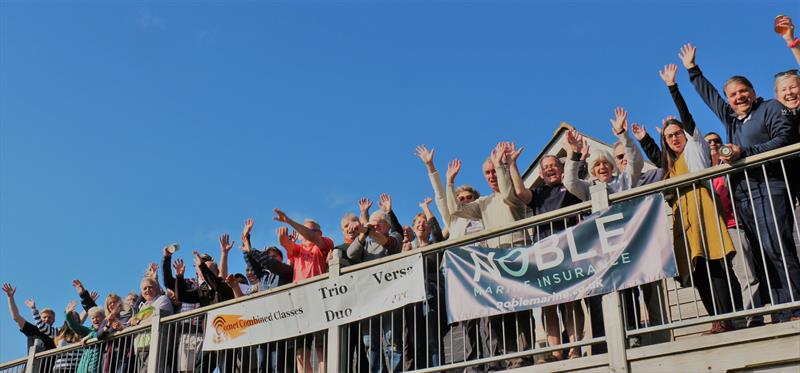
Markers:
{"x": 127, "y": 126}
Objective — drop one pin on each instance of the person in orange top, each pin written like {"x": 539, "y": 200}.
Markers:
{"x": 310, "y": 257}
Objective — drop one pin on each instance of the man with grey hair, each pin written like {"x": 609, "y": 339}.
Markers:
{"x": 761, "y": 197}
{"x": 309, "y": 258}
{"x": 383, "y": 333}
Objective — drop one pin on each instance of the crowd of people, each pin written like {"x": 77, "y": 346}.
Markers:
{"x": 752, "y": 262}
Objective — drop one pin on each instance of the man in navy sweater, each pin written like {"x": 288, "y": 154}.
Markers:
{"x": 754, "y": 125}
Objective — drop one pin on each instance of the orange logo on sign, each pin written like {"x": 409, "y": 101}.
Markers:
{"x": 228, "y": 327}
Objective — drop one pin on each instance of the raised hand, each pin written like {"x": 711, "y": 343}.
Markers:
{"x": 638, "y": 131}
{"x": 354, "y": 227}
{"x": 225, "y": 243}
{"x": 248, "y": 227}
{"x": 425, "y": 155}
{"x": 30, "y": 303}
{"x": 619, "y": 123}
{"x": 498, "y": 153}
{"x": 9, "y": 290}
{"x": 668, "y": 74}
{"x": 364, "y": 205}
{"x": 586, "y": 149}
{"x": 512, "y": 153}
{"x": 293, "y": 235}
{"x": 282, "y": 233}
{"x": 94, "y": 295}
{"x": 280, "y": 216}
{"x": 197, "y": 260}
{"x": 452, "y": 170}
{"x": 425, "y": 203}
{"x": 668, "y": 118}
{"x": 575, "y": 141}
{"x": 78, "y": 286}
{"x": 180, "y": 268}
{"x": 785, "y": 23}
{"x": 171, "y": 295}
{"x": 385, "y": 202}
{"x": 71, "y": 306}
{"x": 687, "y": 55}
{"x": 151, "y": 271}
{"x": 231, "y": 281}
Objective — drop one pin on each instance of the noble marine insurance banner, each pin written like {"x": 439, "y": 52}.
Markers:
{"x": 316, "y": 306}
{"x": 627, "y": 244}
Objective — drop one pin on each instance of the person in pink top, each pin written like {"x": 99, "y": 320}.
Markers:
{"x": 309, "y": 257}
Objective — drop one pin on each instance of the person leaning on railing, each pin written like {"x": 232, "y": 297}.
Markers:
{"x": 428, "y": 323}
{"x": 787, "y": 92}
{"x": 270, "y": 272}
{"x": 703, "y": 250}
{"x": 550, "y": 196}
{"x": 754, "y": 125}
{"x": 602, "y": 168}
{"x": 90, "y": 359}
{"x": 496, "y": 210}
{"x": 376, "y": 240}
{"x": 308, "y": 259}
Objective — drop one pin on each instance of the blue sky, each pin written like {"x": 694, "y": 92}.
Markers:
{"x": 125, "y": 126}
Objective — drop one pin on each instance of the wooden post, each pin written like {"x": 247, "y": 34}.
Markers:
{"x": 612, "y": 307}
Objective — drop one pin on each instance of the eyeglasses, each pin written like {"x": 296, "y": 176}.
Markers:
{"x": 714, "y": 141}
{"x": 620, "y": 156}
{"x": 670, "y": 136}
{"x": 787, "y": 72}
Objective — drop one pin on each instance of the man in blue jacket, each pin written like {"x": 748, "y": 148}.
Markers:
{"x": 754, "y": 125}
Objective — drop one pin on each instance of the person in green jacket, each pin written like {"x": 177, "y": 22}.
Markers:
{"x": 90, "y": 360}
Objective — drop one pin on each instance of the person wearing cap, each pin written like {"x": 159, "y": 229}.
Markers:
{"x": 754, "y": 125}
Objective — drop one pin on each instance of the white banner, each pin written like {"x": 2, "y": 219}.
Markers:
{"x": 316, "y": 306}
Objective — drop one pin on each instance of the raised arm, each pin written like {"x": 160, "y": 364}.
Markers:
{"x": 87, "y": 302}
{"x": 184, "y": 295}
{"x": 668, "y": 76}
{"x": 166, "y": 270}
{"x": 500, "y": 158}
{"x": 785, "y": 28}
{"x": 523, "y": 194}
{"x": 12, "y": 305}
{"x": 704, "y": 88}
{"x": 648, "y": 144}
{"x": 356, "y": 249}
{"x": 573, "y": 183}
{"x": 633, "y": 169}
{"x": 363, "y": 208}
{"x": 233, "y": 283}
{"x": 313, "y": 236}
{"x": 436, "y": 182}
{"x": 73, "y": 320}
{"x": 225, "y": 245}
{"x": 470, "y": 210}
{"x": 386, "y": 206}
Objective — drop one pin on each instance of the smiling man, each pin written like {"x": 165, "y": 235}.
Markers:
{"x": 754, "y": 125}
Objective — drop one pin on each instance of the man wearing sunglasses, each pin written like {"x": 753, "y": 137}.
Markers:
{"x": 754, "y": 125}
